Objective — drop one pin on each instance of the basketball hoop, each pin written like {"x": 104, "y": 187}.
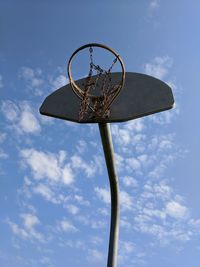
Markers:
{"x": 98, "y": 104}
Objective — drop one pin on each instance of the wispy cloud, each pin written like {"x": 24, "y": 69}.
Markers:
{"x": 81, "y": 200}
{"x": 126, "y": 248}
{"x": 47, "y": 165}
{"x": 88, "y": 167}
{"x": 33, "y": 79}
{"x": 154, "y": 4}
{"x": 95, "y": 256}
{"x": 103, "y": 194}
{"x": 27, "y": 230}
{"x": 37, "y": 82}
{"x": 66, "y": 226}
{"x": 21, "y": 117}
{"x": 59, "y": 81}
{"x": 162, "y": 213}
{"x": 72, "y": 209}
{"x": 48, "y": 194}
{"x": 176, "y": 210}
{"x": 159, "y": 67}
{"x": 129, "y": 181}
{"x": 128, "y": 133}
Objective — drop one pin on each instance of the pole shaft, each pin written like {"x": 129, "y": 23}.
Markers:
{"x": 106, "y": 139}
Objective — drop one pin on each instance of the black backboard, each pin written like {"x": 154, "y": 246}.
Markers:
{"x": 142, "y": 95}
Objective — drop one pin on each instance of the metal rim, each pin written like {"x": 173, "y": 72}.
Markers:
{"x": 77, "y": 90}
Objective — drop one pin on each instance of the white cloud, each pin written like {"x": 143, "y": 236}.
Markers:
{"x": 126, "y": 200}
{"x": 97, "y": 224}
{"x": 165, "y": 144}
{"x": 75, "y": 244}
{"x": 81, "y": 200}
{"x": 125, "y": 223}
{"x": 10, "y": 110}
{"x": 28, "y": 122}
{"x": 164, "y": 233}
{"x": 103, "y": 194}
{"x": 21, "y": 117}
{"x": 158, "y": 67}
{"x": 126, "y": 247}
{"x": 3, "y": 155}
{"x": 47, "y": 165}
{"x": 160, "y": 190}
{"x": 81, "y": 146}
{"x": 38, "y": 82}
{"x": 158, "y": 211}
{"x": 154, "y": 213}
{"x": 195, "y": 226}
{"x": 72, "y": 209}
{"x": 17, "y": 230}
{"x": 46, "y": 192}
{"x": 96, "y": 240}
{"x": 27, "y": 231}
{"x": 119, "y": 162}
{"x": 195, "y": 222}
{"x": 33, "y": 79}
{"x": 129, "y": 181}
{"x": 66, "y": 226}
{"x": 135, "y": 125}
{"x": 30, "y": 220}
{"x": 158, "y": 171}
{"x": 164, "y": 118}
{"x": 104, "y": 211}
{"x": 176, "y": 210}
{"x": 58, "y": 82}
{"x": 129, "y": 133}
{"x": 42, "y": 164}
{"x": 133, "y": 164}
{"x": 49, "y": 192}
{"x": 123, "y": 136}
{"x": 62, "y": 156}
{"x": 89, "y": 168}
{"x": 95, "y": 256}
{"x": 67, "y": 175}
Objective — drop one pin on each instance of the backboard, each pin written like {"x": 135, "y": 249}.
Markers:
{"x": 141, "y": 95}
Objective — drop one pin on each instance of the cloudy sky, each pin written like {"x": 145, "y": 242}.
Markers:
{"x": 54, "y": 193}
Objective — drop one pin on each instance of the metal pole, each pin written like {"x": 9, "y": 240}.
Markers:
{"x": 106, "y": 139}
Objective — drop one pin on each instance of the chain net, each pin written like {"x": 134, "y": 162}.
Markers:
{"x": 98, "y": 80}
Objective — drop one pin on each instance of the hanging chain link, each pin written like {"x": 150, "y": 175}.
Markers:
{"x": 85, "y": 99}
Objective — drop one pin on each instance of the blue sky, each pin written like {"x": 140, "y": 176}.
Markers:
{"x": 54, "y": 194}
